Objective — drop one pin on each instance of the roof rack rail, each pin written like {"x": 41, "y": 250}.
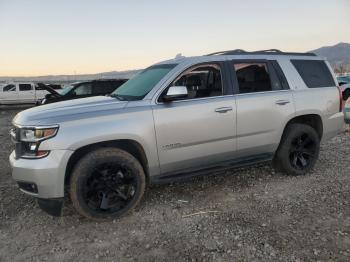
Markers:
{"x": 259, "y": 52}
{"x": 236, "y": 51}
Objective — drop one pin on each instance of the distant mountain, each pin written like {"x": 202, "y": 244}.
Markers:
{"x": 72, "y": 78}
{"x": 338, "y": 54}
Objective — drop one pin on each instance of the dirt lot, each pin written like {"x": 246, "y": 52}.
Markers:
{"x": 260, "y": 215}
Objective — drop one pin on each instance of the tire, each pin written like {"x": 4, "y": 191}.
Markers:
{"x": 298, "y": 150}
{"x": 106, "y": 183}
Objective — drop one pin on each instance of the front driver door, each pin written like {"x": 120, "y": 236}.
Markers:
{"x": 200, "y": 130}
{"x": 9, "y": 94}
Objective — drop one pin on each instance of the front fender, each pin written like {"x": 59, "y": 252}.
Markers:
{"x": 137, "y": 126}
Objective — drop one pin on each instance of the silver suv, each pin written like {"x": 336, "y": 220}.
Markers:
{"x": 177, "y": 119}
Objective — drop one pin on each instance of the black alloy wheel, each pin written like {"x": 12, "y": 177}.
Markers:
{"x": 302, "y": 151}
{"x": 298, "y": 150}
{"x": 109, "y": 188}
{"x": 106, "y": 184}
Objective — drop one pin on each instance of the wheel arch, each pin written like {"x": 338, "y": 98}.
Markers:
{"x": 131, "y": 146}
{"x": 311, "y": 119}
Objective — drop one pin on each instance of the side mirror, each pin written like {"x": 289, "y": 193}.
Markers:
{"x": 175, "y": 93}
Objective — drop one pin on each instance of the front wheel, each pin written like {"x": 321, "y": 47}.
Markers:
{"x": 107, "y": 183}
{"x": 298, "y": 150}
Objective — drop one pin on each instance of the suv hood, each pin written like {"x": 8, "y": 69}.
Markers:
{"x": 71, "y": 110}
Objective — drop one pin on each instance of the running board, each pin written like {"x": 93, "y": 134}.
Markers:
{"x": 209, "y": 170}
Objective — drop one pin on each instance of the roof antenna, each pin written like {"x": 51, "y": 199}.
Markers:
{"x": 179, "y": 55}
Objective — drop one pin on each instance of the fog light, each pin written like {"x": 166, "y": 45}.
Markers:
{"x": 42, "y": 153}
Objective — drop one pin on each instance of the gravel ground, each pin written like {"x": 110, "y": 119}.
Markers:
{"x": 259, "y": 215}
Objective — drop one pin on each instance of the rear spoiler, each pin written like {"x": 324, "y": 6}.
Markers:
{"x": 41, "y": 86}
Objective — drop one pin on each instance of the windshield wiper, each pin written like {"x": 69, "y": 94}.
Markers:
{"x": 117, "y": 97}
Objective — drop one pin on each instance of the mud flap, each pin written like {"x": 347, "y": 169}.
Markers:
{"x": 51, "y": 206}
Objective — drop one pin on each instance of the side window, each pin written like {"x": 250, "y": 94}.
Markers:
{"x": 315, "y": 73}
{"x": 25, "y": 87}
{"x": 253, "y": 77}
{"x": 9, "y": 88}
{"x": 201, "y": 81}
{"x": 83, "y": 89}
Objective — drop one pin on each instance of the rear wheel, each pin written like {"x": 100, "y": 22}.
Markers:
{"x": 298, "y": 150}
{"x": 107, "y": 183}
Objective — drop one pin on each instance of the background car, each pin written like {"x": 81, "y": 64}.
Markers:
{"x": 81, "y": 90}
{"x": 344, "y": 84}
{"x": 347, "y": 111}
{"x": 20, "y": 93}
{"x": 343, "y": 79}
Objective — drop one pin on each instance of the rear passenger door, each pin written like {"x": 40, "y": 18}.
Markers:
{"x": 26, "y": 93}
{"x": 264, "y": 102}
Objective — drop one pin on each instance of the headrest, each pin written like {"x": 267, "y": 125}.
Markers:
{"x": 194, "y": 80}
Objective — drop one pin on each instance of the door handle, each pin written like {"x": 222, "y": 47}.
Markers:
{"x": 282, "y": 102}
{"x": 223, "y": 109}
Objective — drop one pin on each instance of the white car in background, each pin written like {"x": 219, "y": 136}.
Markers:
{"x": 20, "y": 93}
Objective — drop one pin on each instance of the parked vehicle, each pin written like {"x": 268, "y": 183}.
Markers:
{"x": 20, "y": 93}
{"x": 346, "y": 91}
{"x": 81, "y": 90}
{"x": 343, "y": 80}
{"x": 177, "y": 119}
{"x": 344, "y": 83}
{"x": 347, "y": 111}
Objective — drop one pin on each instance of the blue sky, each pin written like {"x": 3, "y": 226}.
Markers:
{"x": 63, "y": 37}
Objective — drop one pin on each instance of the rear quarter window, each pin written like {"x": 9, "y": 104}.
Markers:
{"x": 315, "y": 73}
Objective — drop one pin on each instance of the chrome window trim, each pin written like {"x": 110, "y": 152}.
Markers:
{"x": 195, "y": 99}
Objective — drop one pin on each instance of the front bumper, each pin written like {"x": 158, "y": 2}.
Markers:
{"x": 347, "y": 115}
{"x": 47, "y": 174}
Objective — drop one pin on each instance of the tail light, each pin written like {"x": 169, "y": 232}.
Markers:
{"x": 341, "y": 101}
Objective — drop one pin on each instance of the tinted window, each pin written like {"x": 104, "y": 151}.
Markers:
{"x": 315, "y": 73}
{"x": 253, "y": 77}
{"x": 9, "y": 88}
{"x": 201, "y": 81}
{"x": 25, "y": 87}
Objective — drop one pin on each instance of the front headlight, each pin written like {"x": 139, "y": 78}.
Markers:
{"x": 37, "y": 133}
{"x": 28, "y": 139}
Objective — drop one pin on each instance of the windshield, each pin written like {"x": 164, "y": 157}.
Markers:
{"x": 141, "y": 84}
{"x": 65, "y": 89}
